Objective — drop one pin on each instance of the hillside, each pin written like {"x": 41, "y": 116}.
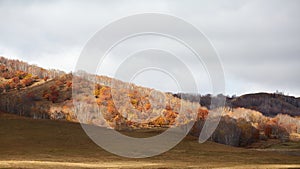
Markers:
{"x": 57, "y": 144}
{"x": 49, "y": 95}
{"x": 26, "y": 91}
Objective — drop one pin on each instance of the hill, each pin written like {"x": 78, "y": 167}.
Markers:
{"x": 48, "y": 94}
{"x": 31, "y": 91}
{"x": 270, "y": 104}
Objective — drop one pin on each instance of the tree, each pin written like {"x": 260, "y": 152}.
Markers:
{"x": 248, "y": 133}
{"x": 54, "y": 93}
{"x": 19, "y": 86}
{"x": 160, "y": 121}
{"x": 46, "y": 78}
{"x": 202, "y": 113}
{"x": 111, "y": 107}
{"x": 69, "y": 84}
{"x": 16, "y": 80}
{"x": 6, "y": 87}
{"x": 27, "y": 81}
{"x": 1, "y": 88}
{"x": 268, "y": 131}
{"x": 147, "y": 106}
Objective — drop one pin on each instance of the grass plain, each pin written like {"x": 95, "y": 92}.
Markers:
{"x": 30, "y": 143}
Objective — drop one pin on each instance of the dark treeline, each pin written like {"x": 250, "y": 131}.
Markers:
{"x": 270, "y": 104}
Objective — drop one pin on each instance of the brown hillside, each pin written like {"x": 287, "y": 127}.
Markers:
{"x": 124, "y": 106}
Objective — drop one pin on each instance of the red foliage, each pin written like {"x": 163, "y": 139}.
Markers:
{"x": 21, "y": 74}
{"x": 16, "y": 80}
{"x": 27, "y": 81}
{"x": 46, "y": 78}
{"x": 111, "y": 107}
{"x": 7, "y": 75}
{"x": 147, "y": 106}
{"x": 202, "y": 113}
{"x": 53, "y": 95}
{"x": 69, "y": 84}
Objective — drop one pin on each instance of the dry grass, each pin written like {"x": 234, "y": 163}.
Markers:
{"x": 28, "y": 143}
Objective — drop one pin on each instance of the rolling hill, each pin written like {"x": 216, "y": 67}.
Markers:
{"x": 31, "y": 91}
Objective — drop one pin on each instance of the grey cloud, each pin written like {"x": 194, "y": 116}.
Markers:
{"x": 258, "y": 41}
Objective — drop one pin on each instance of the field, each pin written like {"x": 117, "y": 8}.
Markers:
{"x": 29, "y": 143}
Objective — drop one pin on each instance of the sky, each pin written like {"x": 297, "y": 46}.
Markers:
{"x": 258, "y": 42}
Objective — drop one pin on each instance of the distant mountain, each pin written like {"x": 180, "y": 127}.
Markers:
{"x": 270, "y": 104}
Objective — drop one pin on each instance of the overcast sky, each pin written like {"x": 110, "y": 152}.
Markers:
{"x": 257, "y": 41}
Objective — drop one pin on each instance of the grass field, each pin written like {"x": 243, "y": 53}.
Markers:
{"x": 29, "y": 143}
